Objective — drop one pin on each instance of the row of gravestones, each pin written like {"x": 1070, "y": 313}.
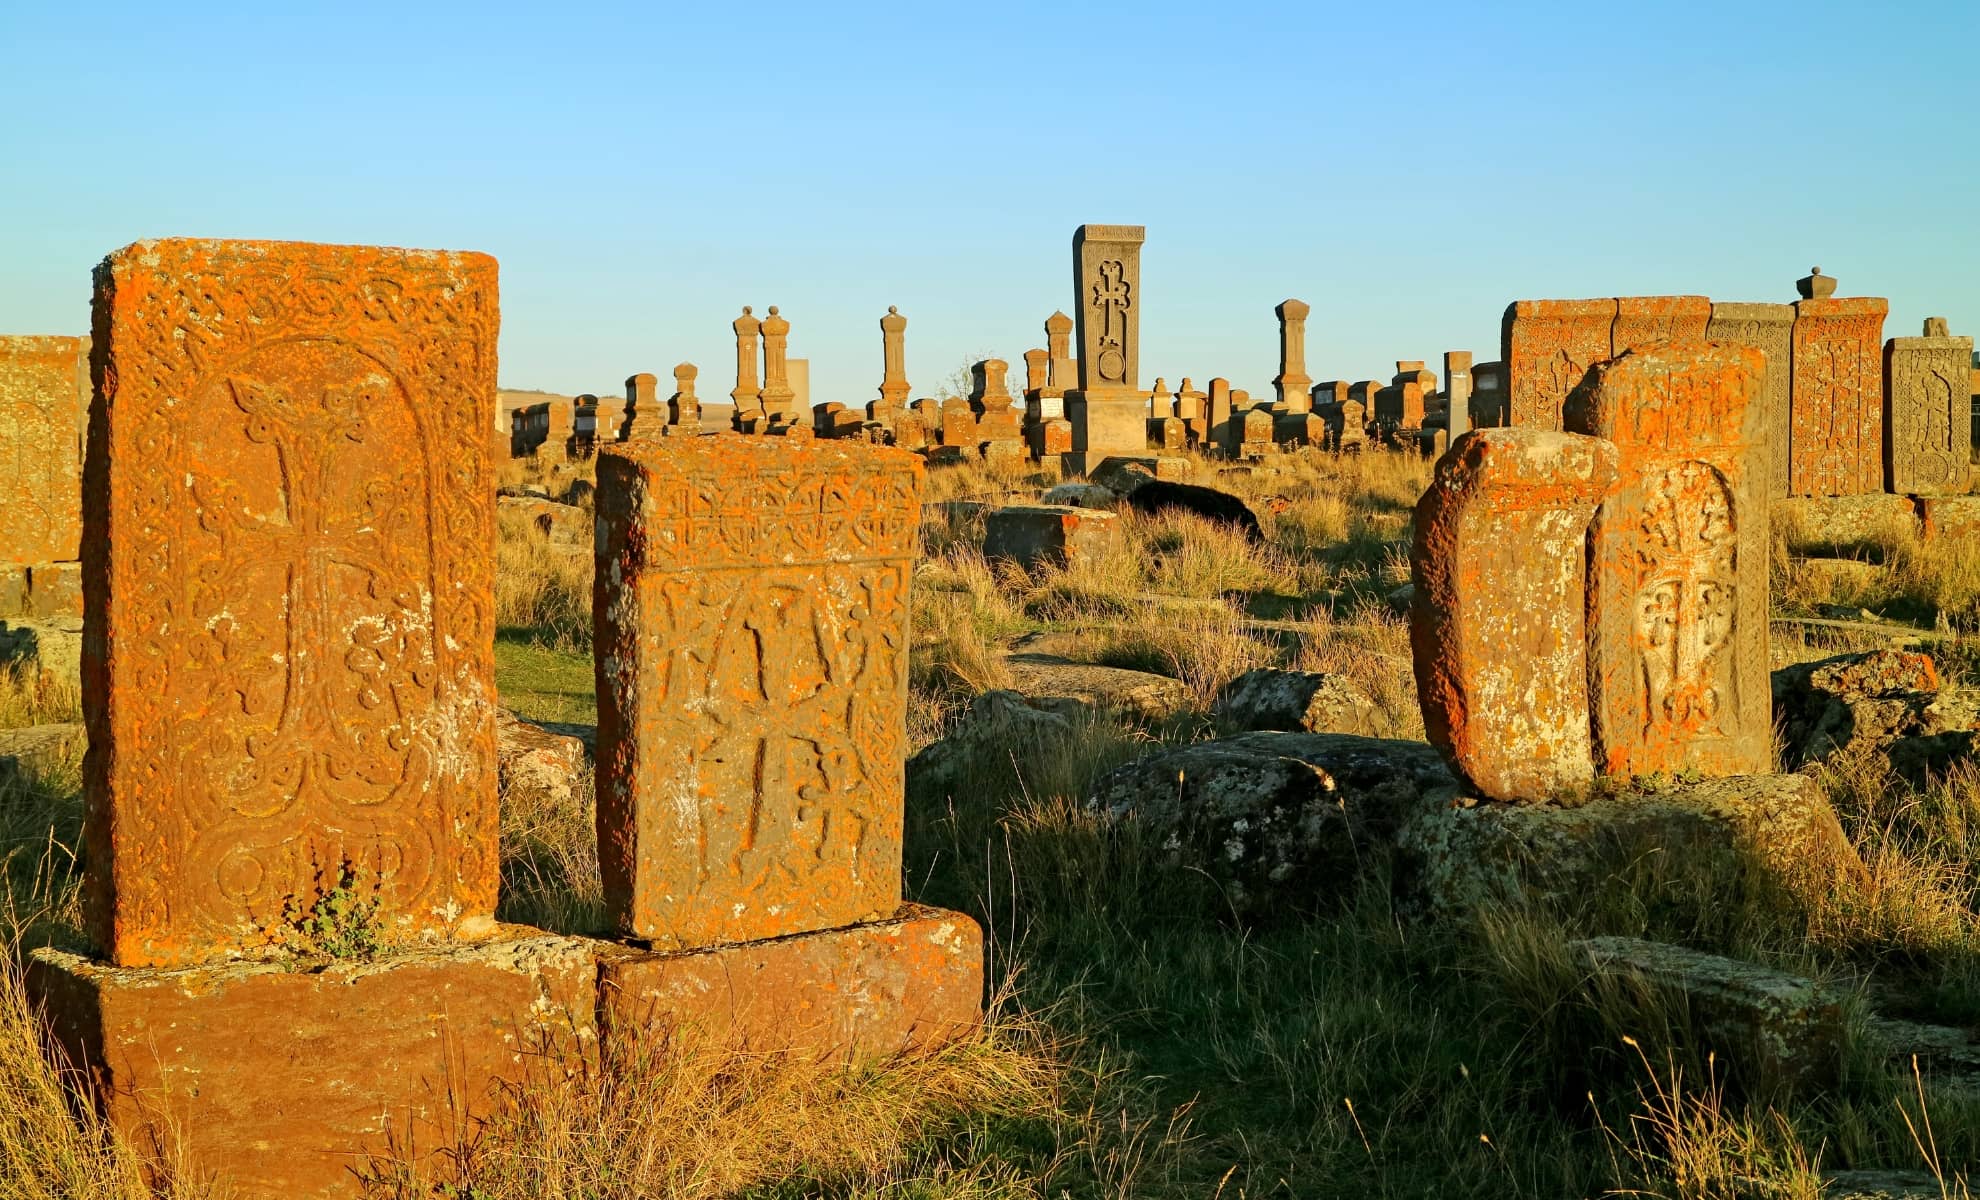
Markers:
{"x": 291, "y": 824}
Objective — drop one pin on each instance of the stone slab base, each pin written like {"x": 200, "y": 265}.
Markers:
{"x": 1846, "y": 520}
{"x": 1954, "y": 517}
{"x": 280, "y": 1082}
{"x": 37, "y": 648}
{"x": 1034, "y": 535}
{"x": 870, "y": 989}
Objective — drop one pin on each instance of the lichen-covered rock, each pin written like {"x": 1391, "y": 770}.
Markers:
{"x": 1082, "y": 495}
{"x": 1300, "y": 702}
{"x": 49, "y": 649}
{"x": 531, "y": 759}
{"x": 1274, "y": 818}
{"x": 997, "y": 724}
{"x": 1888, "y": 702}
{"x": 1124, "y": 474}
{"x": 562, "y": 524}
{"x": 1465, "y": 855}
{"x": 1770, "y": 1027}
{"x": 1074, "y": 689}
{"x": 37, "y": 749}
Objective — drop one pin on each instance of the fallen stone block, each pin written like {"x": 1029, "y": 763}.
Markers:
{"x": 48, "y": 649}
{"x": 562, "y": 524}
{"x": 1075, "y": 688}
{"x": 1082, "y": 495}
{"x": 1034, "y": 535}
{"x": 1123, "y": 474}
{"x": 533, "y": 759}
{"x": 997, "y": 725}
{"x": 1299, "y": 702}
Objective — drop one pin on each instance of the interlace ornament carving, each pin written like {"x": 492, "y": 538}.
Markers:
{"x": 1686, "y": 598}
{"x": 1111, "y": 295}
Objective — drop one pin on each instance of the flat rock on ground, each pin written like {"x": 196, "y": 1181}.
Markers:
{"x": 563, "y": 524}
{"x": 1300, "y": 702}
{"x": 37, "y": 748}
{"x": 49, "y": 647}
{"x": 1063, "y": 686}
{"x": 997, "y": 726}
{"x": 1276, "y": 819}
{"x": 1887, "y": 702}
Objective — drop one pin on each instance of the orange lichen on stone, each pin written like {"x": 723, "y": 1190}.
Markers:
{"x": 751, "y": 616}
{"x": 1547, "y": 346}
{"x": 44, "y": 401}
{"x": 1646, "y": 320}
{"x": 1678, "y": 560}
{"x": 289, "y": 670}
{"x": 1496, "y": 622}
{"x": 1836, "y": 419}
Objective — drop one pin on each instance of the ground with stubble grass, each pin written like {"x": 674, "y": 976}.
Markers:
{"x": 1141, "y": 1042}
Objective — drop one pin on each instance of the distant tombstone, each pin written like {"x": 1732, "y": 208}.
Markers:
{"x": 684, "y": 408}
{"x": 894, "y": 386}
{"x": 1219, "y": 414}
{"x": 1836, "y": 426}
{"x": 1496, "y": 619}
{"x": 643, "y": 417}
{"x": 44, "y": 391}
{"x": 1457, "y": 391}
{"x": 1293, "y": 385}
{"x": 747, "y": 395}
{"x": 779, "y": 398}
{"x": 1930, "y": 430}
{"x": 1036, "y": 364}
{"x": 1768, "y": 328}
{"x": 1061, "y": 369}
{"x": 1678, "y": 561}
{"x": 1547, "y": 346}
{"x": 1107, "y": 411}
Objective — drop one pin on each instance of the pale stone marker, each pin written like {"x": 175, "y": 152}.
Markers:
{"x": 1768, "y": 328}
{"x": 1293, "y": 385}
{"x": 1107, "y": 412}
{"x": 747, "y": 395}
{"x": 779, "y": 399}
{"x": 1929, "y": 431}
{"x": 1457, "y": 385}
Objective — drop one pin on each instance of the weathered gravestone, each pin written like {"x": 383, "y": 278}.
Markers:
{"x": 1836, "y": 418}
{"x": 1648, "y": 320}
{"x": 1292, "y": 386}
{"x": 1108, "y": 411}
{"x": 44, "y": 387}
{"x": 1547, "y": 346}
{"x": 751, "y": 612}
{"x": 1929, "y": 436}
{"x": 1496, "y": 620}
{"x": 1768, "y": 328}
{"x": 289, "y": 695}
{"x": 1678, "y": 560}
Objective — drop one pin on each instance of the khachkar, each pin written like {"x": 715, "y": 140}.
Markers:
{"x": 1929, "y": 429}
{"x": 289, "y": 692}
{"x": 1293, "y": 385}
{"x": 1547, "y": 346}
{"x": 893, "y": 359}
{"x": 1836, "y": 398}
{"x": 1677, "y": 562}
{"x": 779, "y": 401}
{"x": 1109, "y": 411}
{"x": 752, "y": 628}
{"x": 44, "y": 385}
{"x": 1496, "y": 623}
{"x": 684, "y": 407}
{"x": 747, "y": 395}
{"x": 1769, "y": 329}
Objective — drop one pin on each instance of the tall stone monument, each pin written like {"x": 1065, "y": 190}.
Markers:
{"x": 1768, "y": 328}
{"x": 779, "y": 399}
{"x": 747, "y": 395}
{"x": 289, "y": 691}
{"x": 894, "y": 386}
{"x": 1836, "y": 397}
{"x": 44, "y": 389}
{"x": 1061, "y": 368}
{"x": 752, "y": 628}
{"x": 1547, "y": 346}
{"x": 643, "y": 416}
{"x": 1929, "y": 431}
{"x": 1108, "y": 410}
{"x": 1496, "y": 623}
{"x": 1678, "y": 561}
{"x": 1294, "y": 387}
{"x": 684, "y": 407}
{"x": 1457, "y": 391}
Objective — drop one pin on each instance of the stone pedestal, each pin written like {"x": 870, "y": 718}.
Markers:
{"x": 1033, "y": 535}
{"x": 1104, "y": 425}
{"x": 281, "y": 1079}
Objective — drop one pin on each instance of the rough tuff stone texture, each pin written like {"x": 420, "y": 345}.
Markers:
{"x": 1496, "y": 617}
{"x": 1678, "y": 558}
{"x": 1887, "y": 702}
{"x": 1299, "y": 702}
{"x": 1771, "y": 1028}
{"x": 37, "y": 749}
{"x": 1033, "y": 535}
{"x": 997, "y": 723}
{"x": 871, "y": 990}
{"x": 1547, "y": 345}
{"x": 1836, "y": 434}
{"x": 1647, "y": 320}
{"x": 44, "y": 398}
{"x": 1275, "y": 818}
{"x": 1461, "y": 855}
{"x": 1082, "y": 495}
{"x": 44, "y": 649}
{"x": 535, "y": 761}
{"x": 1848, "y": 521}
{"x": 1928, "y": 438}
{"x": 281, "y": 1082}
{"x": 1768, "y": 328}
{"x": 751, "y": 612}
{"x": 1951, "y": 517}
{"x": 1078, "y": 689}
{"x": 289, "y": 501}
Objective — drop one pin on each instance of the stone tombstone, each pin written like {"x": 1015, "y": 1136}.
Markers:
{"x": 1547, "y": 346}
{"x": 1189, "y": 401}
{"x": 798, "y": 375}
{"x": 1218, "y": 412}
{"x": 751, "y": 614}
{"x": 747, "y": 395}
{"x": 1768, "y": 328}
{"x": 989, "y": 389}
{"x": 684, "y": 408}
{"x": 44, "y": 397}
{"x": 1293, "y": 386}
{"x": 893, "y": 357}
{"x": 1457, "y": 391}
{"x": 1333, "y": 391}
{"x": 1161, "y": 401}
{"x": 1036, "y": 365}
{"x": 1836, "y": 397}
{"x": 643, "y": 416}
{"x": 1677, "y": 562}
{"x": 1350, "y": 430}
{"x": 1644, "y": 320}
{"x": 1061, "y": 369}
{"x": 289, "y": 668}
{"x": 779, "y": 399}
{"x": 1108, "y": 410}
{"x": 1489, "y": 398}
{"x": 1496, "y": 620}
{"x": 1928, "y": 433}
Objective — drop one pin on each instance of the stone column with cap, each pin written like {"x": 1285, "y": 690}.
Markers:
{"x": 1107, "y": 411}
{"x": 1293, "y": 385}
{"x": 893, "y": 354}
{"x": 779, "y": 400}
{"x": 643, "y": 416}
{"x": 684, "y": 408}
{"x": 747, "y": 395}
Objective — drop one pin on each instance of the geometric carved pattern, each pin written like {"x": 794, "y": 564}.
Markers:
{"x": 1929, "y": 430}
{"x": 44, "y": 391}
{"x": 1836, "y": 441}
{"x": 289, "y": 675}
{"x": 752, "y": 622}
{"x": 1677, "y": 569}
{"x": 1769, "y": 329}
{"x": 1548, "y": 345}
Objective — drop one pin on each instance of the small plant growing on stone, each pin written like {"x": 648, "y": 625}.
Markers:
{"x": 338, "y": 923}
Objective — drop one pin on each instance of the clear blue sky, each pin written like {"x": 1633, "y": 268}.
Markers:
{"x": 643, "y": 171}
